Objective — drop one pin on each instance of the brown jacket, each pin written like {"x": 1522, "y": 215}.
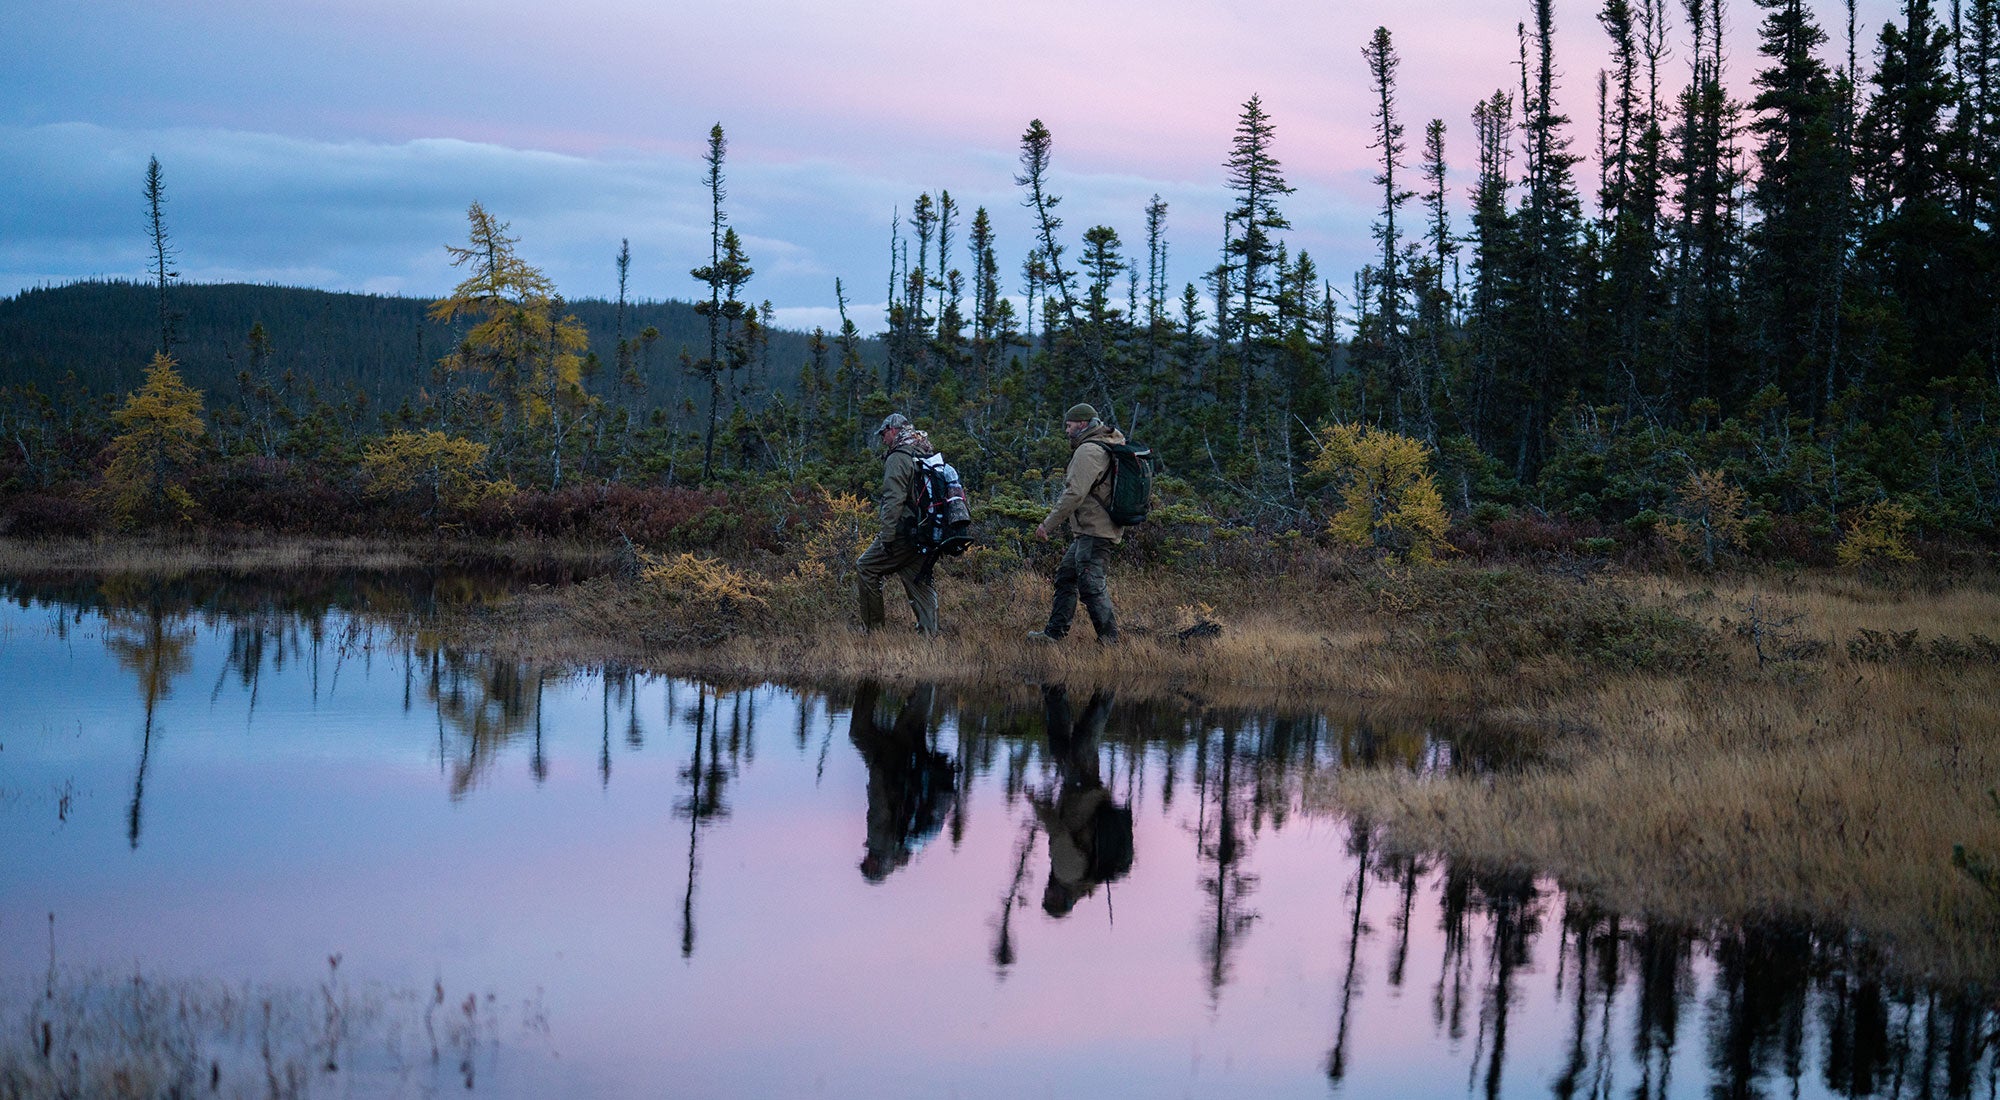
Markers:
{"x": 1086, "y": 495}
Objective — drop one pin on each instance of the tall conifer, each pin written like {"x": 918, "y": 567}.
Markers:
{"x": 163, "y": 250}
{"x": 1256, "y": 177}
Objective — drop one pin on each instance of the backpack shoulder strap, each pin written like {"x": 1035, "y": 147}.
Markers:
{"x": 1110, "y": 463}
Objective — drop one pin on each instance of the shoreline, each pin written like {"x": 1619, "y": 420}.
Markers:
{"x": 253, "y": 554}
{"x": 1667, "y": 770}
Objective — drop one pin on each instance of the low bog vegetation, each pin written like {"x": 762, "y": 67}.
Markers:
{"x": 141, "y": 1036}
{"x": 1779, "y": 771}
{"x": 1500, "y": 620}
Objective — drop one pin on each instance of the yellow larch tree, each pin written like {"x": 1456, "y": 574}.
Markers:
{"x": 437, "y": 470}
{"x": 157, "y": 448}
{"x": 1709, "y": 515}
{"x": 529, "y": 350}
{"x": 1876, "y": 534}
{"x": 1389, "y": 499}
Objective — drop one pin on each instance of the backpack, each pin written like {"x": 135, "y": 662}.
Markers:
{"x": 944, "y": 520}
{"x": 1131, "y": 475}
{"x": 1110, "y": 842}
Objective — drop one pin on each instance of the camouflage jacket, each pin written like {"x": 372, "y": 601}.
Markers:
{"x": 896, "y": 500}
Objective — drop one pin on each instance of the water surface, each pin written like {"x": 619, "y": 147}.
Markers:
{"x": 657, "y": 887}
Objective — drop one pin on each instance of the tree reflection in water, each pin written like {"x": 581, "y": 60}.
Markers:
{"x": 156, "y": 648}
{"x": 1779, "y": 1009}
{"x": 706, "y": 780}
{"x": 1221, "y": 845}
{"x": 483, "y": 704}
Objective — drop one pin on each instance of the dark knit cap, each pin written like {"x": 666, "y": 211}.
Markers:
{"x": 1080, "y": 412}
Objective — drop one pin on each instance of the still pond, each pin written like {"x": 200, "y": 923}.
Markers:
{"x": 276, "y": 840}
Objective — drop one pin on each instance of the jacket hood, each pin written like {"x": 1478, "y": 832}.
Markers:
{"x": 1100, "y": 432}
{"x": 917, "y": 443}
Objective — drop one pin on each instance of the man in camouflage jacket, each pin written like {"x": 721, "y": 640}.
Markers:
{"x": 1085, "y": 505}
{"x": 895, "y": 549}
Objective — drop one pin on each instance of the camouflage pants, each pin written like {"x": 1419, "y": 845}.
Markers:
{"x": 905, "y": 560}
{"x": 1082, "y": 573}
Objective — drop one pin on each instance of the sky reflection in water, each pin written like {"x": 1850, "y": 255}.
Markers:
{"x": 882, "y": 892}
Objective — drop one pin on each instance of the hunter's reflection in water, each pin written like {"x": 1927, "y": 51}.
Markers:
{"x": 1090, "y": 835}
{"x": 912, "y": 787}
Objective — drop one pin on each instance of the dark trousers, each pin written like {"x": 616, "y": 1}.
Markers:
{"x": 906, "y": 561}
{"x": 1082, "y": 574}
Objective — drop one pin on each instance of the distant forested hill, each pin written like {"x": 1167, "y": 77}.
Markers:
{"x": 105, "y": 333}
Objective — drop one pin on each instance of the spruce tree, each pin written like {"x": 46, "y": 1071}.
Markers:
{"x": 1495, "y": 246}
{"x": 1256, "y": 177}
{"x": 948, "y": 343}
{"x": 1157, "y": 325}
{"x": 1380, "y": 55}
{"x": 1544, "y": 318}
{"x": 1800, "y": 195}
{"x": 709, "y": 367}
{"x": 1387, "y": 346}
{"x": 850, "y": 378}
{"x": 1036, "y": 143}
{"x": 1435, "y": 305}
{"x": 1915, "y": 247}
{"x": 1102, "y": 263}
{"x": 1632, "y": 299}
{"x": 986, "y": 299}
{"x": 1707, "y": 238}
{"x": 163, "y": 250}
{"x": 623, "y": 348}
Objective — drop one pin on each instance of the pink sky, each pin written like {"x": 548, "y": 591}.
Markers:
{"x": 582, "y": 123}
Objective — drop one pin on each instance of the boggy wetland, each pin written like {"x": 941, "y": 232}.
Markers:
{"x": 325, "y": 819}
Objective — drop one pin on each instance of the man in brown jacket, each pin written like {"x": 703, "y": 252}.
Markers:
{"x": 895, "y": 548}
{"x": 1085, "y": 507}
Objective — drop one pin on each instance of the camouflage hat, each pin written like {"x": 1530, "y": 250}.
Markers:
{"x": 1080, "y": 412}
{"x": 893, "y": 420}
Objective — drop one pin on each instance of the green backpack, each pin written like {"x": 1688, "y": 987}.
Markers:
{"x": 1131, "y": 475}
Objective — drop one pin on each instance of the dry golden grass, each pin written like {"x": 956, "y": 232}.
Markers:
{"x": 1836, "y": 605}
{"x": 1261, "y": 656}
{"x": 257, "y": 555}
{"x": 1829, "y": 789}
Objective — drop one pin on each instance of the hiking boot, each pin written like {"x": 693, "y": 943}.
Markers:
{"x": 1043, "y": 636}
{"x": 1108, "y": 639}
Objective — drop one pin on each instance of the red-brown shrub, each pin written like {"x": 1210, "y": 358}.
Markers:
{"x": 49, "y": 515}
{"x": 1523, "y": 538}
{"x": 662, "y": 518}
{"x": 1793, "y": 539}
{"x": 279, "y": 494}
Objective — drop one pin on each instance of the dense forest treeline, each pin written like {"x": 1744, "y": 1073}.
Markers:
{"x": 95, "y": 338}
{"x": 1767, "y": 326}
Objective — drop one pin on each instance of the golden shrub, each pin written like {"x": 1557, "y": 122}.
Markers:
{"x": 703, "y": 583}
{"x": 837, "y": 539}
{"x": 1708, "y": 515}
{"x": 436, "y": 470}
{"x": 1388, "y": 497}
{"x": 1876, "y": 535}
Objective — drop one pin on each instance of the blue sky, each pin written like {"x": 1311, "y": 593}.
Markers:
{"x": 337, "y": 143}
